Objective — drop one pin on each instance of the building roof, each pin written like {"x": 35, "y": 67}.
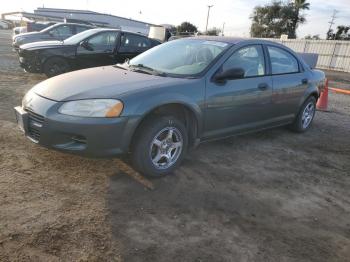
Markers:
{"x": 87, "y": 12}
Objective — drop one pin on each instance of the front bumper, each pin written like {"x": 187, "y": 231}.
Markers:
{"x": 91, "y": 137}
{"x": 31, "y": 65}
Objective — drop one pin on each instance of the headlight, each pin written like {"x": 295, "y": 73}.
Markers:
{"x": 92, "y": 108}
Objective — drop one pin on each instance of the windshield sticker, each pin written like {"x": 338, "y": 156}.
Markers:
{"x": 221, "y": 44}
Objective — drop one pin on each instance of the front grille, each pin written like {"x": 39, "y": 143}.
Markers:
{"x": 35, "y": 122}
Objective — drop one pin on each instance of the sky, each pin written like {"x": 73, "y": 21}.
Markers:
{"x": 234, "y": 13}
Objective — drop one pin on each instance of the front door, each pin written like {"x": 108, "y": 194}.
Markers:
{"x": 239, "y": 105}
{"x": 98, "y": 50}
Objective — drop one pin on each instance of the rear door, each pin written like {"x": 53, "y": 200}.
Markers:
{"x": 100, "y": 49}
{"x": 241, "y": 104}
{"x": 131, "y": 45}
{"x": 289, "y": 82}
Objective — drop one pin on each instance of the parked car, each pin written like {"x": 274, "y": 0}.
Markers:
{"x": 5, "y": 24}
{"x": 18, "y": 30}
{"x": 94, "y": 47}
{"x": 170, "y": 98}
{"x": 59, "y": 31}
{"x": 38, "y": 26}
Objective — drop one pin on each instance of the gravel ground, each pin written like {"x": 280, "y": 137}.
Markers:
{"x": 338, "y": 79}
{"x": 269, "y": 196}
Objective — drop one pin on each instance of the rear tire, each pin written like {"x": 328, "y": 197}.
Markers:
{"x": 305, "y": 116}
{"x": 159, "y": 146}
{"x": 55, "y": 66}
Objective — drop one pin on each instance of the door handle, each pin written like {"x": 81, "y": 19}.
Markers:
{"x": 304, "y": 81}
{"x": 263, "y": 86}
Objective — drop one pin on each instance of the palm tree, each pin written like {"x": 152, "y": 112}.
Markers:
{"x": 298, "y": 18}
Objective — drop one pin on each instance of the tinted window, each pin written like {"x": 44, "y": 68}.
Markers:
{"x": 61, "y": 31}
{"x": 134, "y": 43}
{"x": 101, "y": 43}
{"x": 79, "y": 29}
{"x": 282, "y": 62}
{"x": 250, "y": 59}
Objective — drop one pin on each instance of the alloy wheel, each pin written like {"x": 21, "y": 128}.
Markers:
{"x": 308, "y": 114}
{"x": 166, "y": 147}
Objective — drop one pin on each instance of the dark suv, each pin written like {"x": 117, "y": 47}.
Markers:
{"x": 58, "y": 31}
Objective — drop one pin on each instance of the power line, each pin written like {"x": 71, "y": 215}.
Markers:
{"x": 331, "y": 23}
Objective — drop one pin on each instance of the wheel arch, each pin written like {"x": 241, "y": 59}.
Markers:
{"x": 48, "y": 58}
{"x": 185, "y": 112}
{"x": 311, "y": 92}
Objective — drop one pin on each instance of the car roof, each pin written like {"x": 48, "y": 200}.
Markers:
{"x": 225, "y": 39}
{"x": 101, "y": 29}
{"x": 75, "y": 24}
{"x": 235, "y": 40}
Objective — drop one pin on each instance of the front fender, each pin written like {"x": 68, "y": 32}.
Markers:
{"x": 139, "y": 106}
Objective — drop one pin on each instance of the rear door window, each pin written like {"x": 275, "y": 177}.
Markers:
{"x": 80, "y": 29}
{"x": 101, "y": 43}
{"x": 62, "y": 31}
{"x": 131, "y": 43}
{"x": 282, "y": 62}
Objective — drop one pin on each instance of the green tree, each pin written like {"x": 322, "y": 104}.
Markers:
{"x": 276, "y": 18}
{"x": 342, "y": 33}
{"x": 297, "y": 16}
{"x": 186, "y": 28}
{"x": 314, "y": 37}
{"x": 270, "y": 20}
{"x": 213, "y": 31}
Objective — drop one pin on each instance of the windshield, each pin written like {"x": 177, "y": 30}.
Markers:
{"x": 75, "y": 39}
{"x": 183, "y": 57}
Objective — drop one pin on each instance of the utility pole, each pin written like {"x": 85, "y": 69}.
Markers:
{"x": 331, "y": 23}
{"x": 206, "y": 27}
{"x": 223, "y": 27}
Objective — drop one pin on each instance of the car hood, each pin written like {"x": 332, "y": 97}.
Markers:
{"x": 28, "y": 35}
{"x": 42, "y": 44}
{"x": 98, "y": 82}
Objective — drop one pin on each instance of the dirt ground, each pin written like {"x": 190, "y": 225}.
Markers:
{"x": 271, "y": 196}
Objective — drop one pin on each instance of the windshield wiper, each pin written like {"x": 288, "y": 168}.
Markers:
{"x": 147, "y": 69}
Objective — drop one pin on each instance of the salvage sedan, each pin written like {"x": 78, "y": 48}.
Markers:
{"x": 170, "y": 98}
{"x": 94, "y": 47}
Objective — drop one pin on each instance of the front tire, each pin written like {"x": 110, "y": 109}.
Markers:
{"x": 159, "y": 147}
{"x": 55, "y": 66}
{"x": 305, "y": 116}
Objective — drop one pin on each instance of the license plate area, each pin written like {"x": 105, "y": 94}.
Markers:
{"x": 22, "y": 119}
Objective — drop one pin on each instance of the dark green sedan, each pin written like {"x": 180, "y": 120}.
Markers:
{"x": 171, "y": 98}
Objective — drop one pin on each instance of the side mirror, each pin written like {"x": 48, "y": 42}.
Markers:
{"x": 230, "y": 74}
{"x": 50, "y": 33}
{"x": 86, "y": 45}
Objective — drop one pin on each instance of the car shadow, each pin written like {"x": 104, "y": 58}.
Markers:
{"x": 223, "y": 204}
